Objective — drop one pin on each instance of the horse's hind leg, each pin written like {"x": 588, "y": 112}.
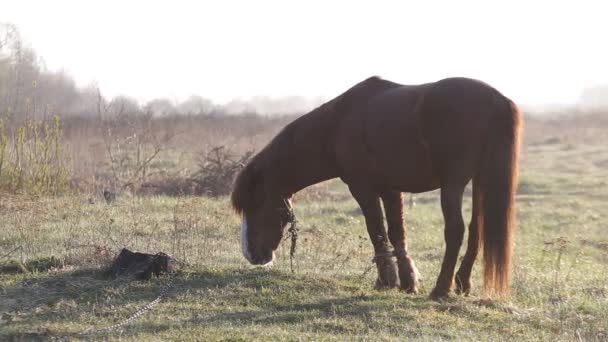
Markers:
{"x": 451, "y": 206}
{"x": 463, "y": 276}
{"x": 369, "y": 201}
{"x": 393, "y": 207}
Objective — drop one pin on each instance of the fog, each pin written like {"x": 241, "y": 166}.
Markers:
{"x": 279, "y": 57}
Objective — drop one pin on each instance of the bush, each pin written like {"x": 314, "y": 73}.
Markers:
{"x": 217, "y": 171}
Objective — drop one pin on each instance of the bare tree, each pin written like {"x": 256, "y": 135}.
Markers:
{"x": 130, "y": 139}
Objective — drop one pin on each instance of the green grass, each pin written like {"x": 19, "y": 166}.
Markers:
{"x": 52, "y": 251}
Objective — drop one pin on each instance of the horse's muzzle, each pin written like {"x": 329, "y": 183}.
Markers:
{"x": 263, "y": 258}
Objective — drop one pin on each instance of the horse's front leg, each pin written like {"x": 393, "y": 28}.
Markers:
{"x": 369, "y": 201}
{"x": 451, "y": 206}
{"x": 408, "y": 273}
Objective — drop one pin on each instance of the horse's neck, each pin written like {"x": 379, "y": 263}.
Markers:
{"x": 306, "y": 157}
{"x": 306, "y": 146}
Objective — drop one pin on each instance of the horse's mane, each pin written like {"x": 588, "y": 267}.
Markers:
{"x": 241, "y": 197}
{"x": 242, "y": 194}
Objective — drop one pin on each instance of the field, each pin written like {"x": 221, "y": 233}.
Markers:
{"x": 53, "y": 251}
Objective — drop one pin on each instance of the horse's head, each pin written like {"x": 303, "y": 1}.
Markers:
{"x": 264, "y": 212}
{"x": 262, "y": 229}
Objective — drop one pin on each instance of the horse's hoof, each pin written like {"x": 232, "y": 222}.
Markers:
{"x": 410, "y": 289}
{"x": 462, "y": 287}
{"x": 387, "y": 274}
{"x": 383, "y": 285}
{"x": 409, "y": 283}
{"x": 408, "y": 275}
{"x": 439, "y": 295}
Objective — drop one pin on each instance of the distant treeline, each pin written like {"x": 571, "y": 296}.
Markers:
{"x": 29, "y": 89}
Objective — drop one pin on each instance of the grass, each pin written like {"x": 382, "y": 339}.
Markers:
{"x": 52, "y": 251}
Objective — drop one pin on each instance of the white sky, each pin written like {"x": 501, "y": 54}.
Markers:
{"x": 535, "y": 52}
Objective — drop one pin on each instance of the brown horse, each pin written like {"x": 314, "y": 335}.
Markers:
{"x": 382, "y": 138}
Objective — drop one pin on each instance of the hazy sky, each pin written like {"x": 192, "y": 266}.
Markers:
{"x": 535, "y": 52}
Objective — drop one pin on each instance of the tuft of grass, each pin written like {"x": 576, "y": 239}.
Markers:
{"x": 32, "y": 157}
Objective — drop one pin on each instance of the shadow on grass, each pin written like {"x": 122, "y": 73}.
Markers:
{"x": 35, "y": 301}
{"x": 230, "y": 297}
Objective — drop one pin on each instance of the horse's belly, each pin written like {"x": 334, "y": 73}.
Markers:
{"x": 398, "y": 154}
{"x": 408, "y": 169}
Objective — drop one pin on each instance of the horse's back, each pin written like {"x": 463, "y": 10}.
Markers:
{"x": 410, "y": 136}
{"x": 379, "y": 139}
{"x": 455, "y": 120}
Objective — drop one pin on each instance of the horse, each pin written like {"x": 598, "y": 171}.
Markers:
{"x": 382, "y": 139}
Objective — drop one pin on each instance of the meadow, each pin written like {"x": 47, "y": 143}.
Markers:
{"x": 53, "y": 250}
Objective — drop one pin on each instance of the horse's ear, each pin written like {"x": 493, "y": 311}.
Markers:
{"x": 244, "y": 194}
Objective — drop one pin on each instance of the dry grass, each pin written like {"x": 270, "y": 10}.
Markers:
{"x": 179, "y": 157}
{"x": 52, "y": 250}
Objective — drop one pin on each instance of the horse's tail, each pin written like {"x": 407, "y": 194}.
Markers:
{"x": 498, "y": 180}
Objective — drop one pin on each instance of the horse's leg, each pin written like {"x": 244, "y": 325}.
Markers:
{"x": 463, "y": 276}
{"x": 451, "y": 205}
{"x": 369, "y": 201}
{"x": 393, "y": 207}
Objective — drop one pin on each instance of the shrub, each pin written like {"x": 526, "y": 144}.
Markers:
{"x": 217, "y": 171}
